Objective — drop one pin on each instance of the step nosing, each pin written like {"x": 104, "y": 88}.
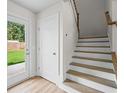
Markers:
{"x": 92, "y": 41}
{"x": 94, "y": 52}
{"x": 96, "y": 79}
{"x": 92, "y": 37}
{"x": 93, "y": 67}
{"x": 95, "y": 46}
{"x": 80, "y": 87}
{"x": 95, "y": 59}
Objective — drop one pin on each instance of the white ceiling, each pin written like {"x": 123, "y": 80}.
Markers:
{"x": 35, "y": 5}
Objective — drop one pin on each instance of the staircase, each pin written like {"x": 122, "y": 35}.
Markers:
{"x": 91, "y": 70}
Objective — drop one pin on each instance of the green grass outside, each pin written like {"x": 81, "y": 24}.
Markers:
{"x": 16, "y": 57}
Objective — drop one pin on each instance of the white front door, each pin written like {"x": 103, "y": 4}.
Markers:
{"x": 49, "y": 29}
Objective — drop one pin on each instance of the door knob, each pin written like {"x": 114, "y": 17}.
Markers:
{"x": 54, "y": 53}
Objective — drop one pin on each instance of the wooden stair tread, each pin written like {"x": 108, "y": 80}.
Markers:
{"x": 95, "y": 46}
{"x": 93, "y": 67}
{"x": 89, "y": 37}
{"x": 93, "y": 52}
{"x": 93, "y": 78}
{"x": 94, "y": 59}
{"x": 79, "y": 87}
{"x": 92, "y": 41}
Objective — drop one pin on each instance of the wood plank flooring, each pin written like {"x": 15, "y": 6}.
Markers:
{"x": 36, "y": 85}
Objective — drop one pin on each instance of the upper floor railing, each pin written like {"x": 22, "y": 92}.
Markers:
{"x": 109, "y": 20}
{"x": 114, "y": 56}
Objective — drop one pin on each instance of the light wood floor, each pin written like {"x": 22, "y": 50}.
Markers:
{"x": 36, "y": 85}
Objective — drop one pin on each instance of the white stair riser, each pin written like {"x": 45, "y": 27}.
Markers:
{"x": 93, "y": 63}
{"x": 101, "y": 74}
{"x": 93, "y": 44}
{"x": 95, "y": 39}
{"x": 93, "y": 49}
{"x": 93, "y": 55}
{"x": 92, "y": 84}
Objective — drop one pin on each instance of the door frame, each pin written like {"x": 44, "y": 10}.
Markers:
{"x": 21, "y": 77}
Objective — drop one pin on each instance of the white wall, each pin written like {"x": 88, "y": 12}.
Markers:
{"x": 92, "y": 17}
{"x": 70, "y": 35}
{"x": 22, "y": 13}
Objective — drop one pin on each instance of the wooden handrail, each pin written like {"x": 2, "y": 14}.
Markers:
{"x": 78, "y": 22}
{"x": 77, "y": 17}
{"x": 114, "y": 56}
{"x": 109, "y": 20}
{"x": 114, "y": 60}
{"x": 75, "y": 6}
